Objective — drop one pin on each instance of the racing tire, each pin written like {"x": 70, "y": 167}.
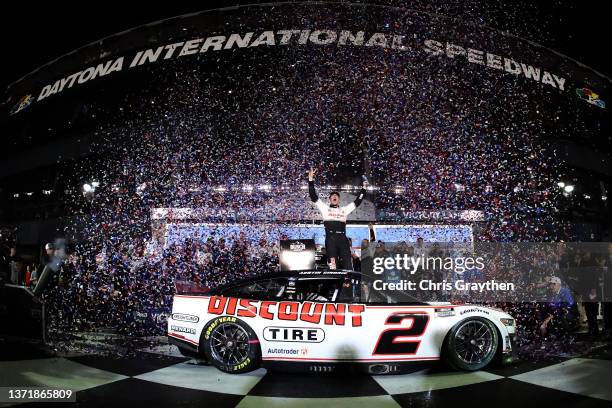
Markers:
{"x": 471, "y": 344}
{"x": 231, "y": 345}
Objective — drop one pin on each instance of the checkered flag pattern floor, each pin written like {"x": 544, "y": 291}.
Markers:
{"x": 161, "y": 380}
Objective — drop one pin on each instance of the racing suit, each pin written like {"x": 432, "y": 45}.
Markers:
{"x": 334, "y": 220}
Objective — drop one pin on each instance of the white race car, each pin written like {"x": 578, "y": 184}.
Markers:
{"x": 325, "y": 321}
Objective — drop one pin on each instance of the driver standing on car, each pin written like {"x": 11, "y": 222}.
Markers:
{"x": 334, "y": 219}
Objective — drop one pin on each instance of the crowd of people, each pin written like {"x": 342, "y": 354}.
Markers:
{"x": 18, "y": 270}
{"x": 128, "y": 288}
{"x": 237, "y": 135}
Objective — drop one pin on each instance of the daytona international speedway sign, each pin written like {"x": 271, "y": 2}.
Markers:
{"x": 394, "y": 42}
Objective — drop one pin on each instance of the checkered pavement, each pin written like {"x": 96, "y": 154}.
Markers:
{"x": 162, "y": 380}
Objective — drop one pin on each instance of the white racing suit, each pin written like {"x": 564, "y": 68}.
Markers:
{"x": 334, "y": 220}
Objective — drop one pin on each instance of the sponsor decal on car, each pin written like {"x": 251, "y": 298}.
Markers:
{"x": 444, "y": 312}
{"x": 330, "y": 314}
{"x": 185, "y": 317}
{"x": 474, "y": 310}
{"x": 237, "y": 367}
{"x": 181, "y": 329}
{"x": 215, "y": 323}
{"x": 322, "y": 273}
{"x": 290, "y": 352}
{"x": 294, "y": 334}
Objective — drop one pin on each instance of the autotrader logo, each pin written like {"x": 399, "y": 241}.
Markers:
{"x": 303, "y": 351}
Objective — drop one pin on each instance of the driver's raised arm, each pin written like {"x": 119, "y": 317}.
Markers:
{"x": 311, "y": 187}
{"x": 360, "y": 197}
{"x": 311, "y": 191}
{"x": 351, "y": 207}
{"x": 313, "y": 194}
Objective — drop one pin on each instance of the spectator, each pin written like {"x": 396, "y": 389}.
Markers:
{"x": 367, "y": 255}
{"x": 560, "y": 314}
{"x": 420, "y": 249}
{"x": 34, "y": 276}
{"x": 589, "y": 275}
{"x": 16, "y": 266}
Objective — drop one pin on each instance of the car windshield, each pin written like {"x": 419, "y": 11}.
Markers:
{"x": 351, "y": 287}
{"x": 264, "y": 289}
{"x": 320, "y": 290}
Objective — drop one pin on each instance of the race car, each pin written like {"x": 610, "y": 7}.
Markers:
{"x": 331, "y": 320}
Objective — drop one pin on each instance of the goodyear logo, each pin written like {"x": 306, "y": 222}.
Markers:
{"x": 215, "y": 323}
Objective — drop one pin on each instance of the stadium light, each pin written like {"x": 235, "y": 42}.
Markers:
{"x": 87, "y": 188}
{"x": 568, "y": 188}
{"x": 95, "y": 184}
{"x": 561, "y": 184}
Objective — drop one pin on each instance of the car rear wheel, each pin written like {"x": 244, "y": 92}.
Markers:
{"x": 471, "y": 344}
{"x": 231, "y": 345}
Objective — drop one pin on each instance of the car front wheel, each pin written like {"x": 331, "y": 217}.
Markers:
{"x": 231, "y": 345}
{"x": 471, "y": 344}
